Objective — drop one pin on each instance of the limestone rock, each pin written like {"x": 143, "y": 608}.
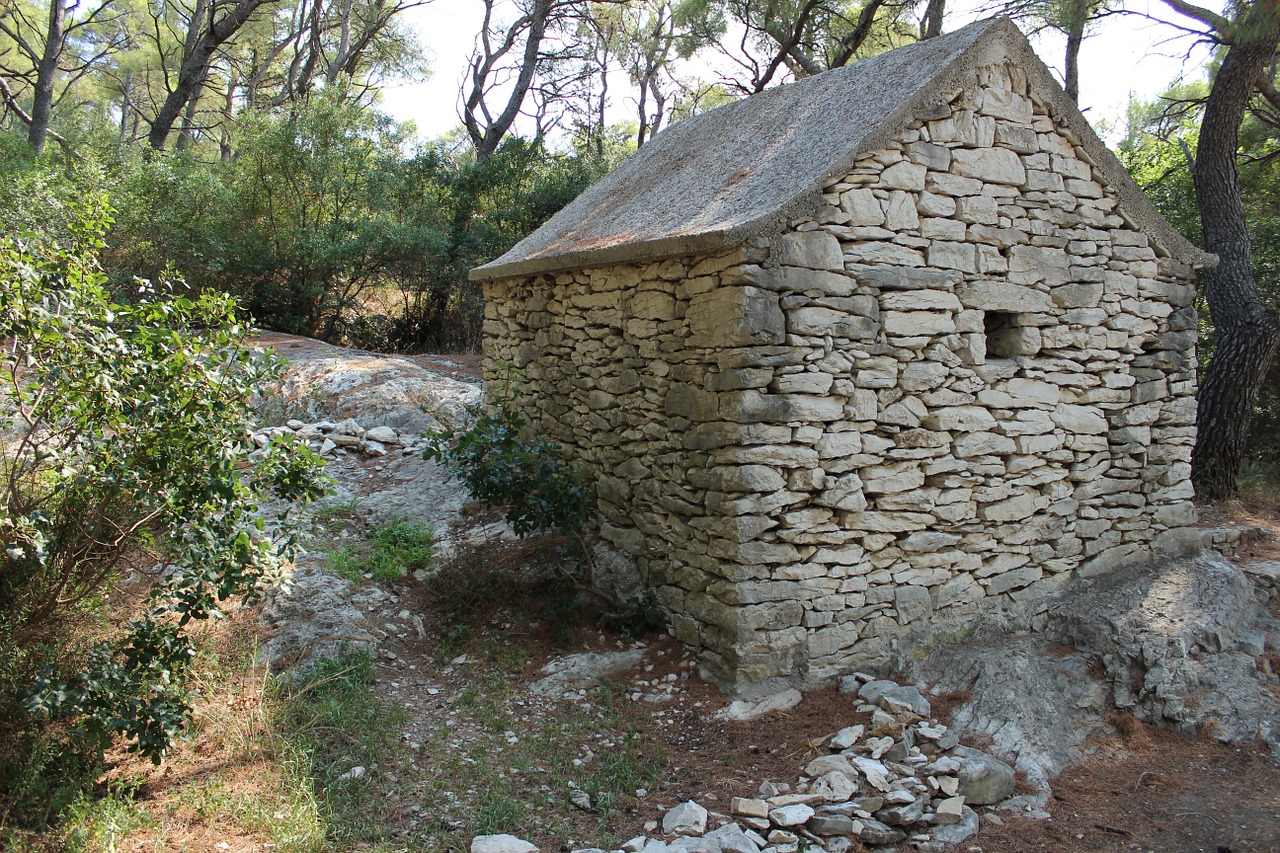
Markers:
{"x": 688, "y": 818}
{"x": 582, "y": 670}
{"x": 501, "y": 844}
{"x": 874, "y": 692}
{"x": 795, "y": 815}
{"x": 984, "y": 779}
{"x": 745, "y": 710}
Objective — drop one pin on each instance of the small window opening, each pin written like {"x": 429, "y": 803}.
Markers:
{"x": 1000, "y": 328}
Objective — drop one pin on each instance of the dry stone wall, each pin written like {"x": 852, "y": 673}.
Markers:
{"x": 963, "y": 381}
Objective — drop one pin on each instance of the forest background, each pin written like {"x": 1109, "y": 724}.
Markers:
{"x": 244, "y": 147}
{"x": 240, "y": 149}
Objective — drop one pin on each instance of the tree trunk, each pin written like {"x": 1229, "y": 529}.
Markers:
{"x": 1077, "y": 15}
{"x": 126, "y": 105}
{"x": 204, "y": 38}
{"x": 1248, "y": 332}
{"x": 931, "y": 23}
{"x": 46, "y": 76}
{"x": 186, "y": 133}
{"x": 228, "y": 114}
{"x": 486, "y": 135}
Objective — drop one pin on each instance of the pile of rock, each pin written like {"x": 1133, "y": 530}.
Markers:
{"x": 900, "y": 777}
{"x": 347, "y": 436}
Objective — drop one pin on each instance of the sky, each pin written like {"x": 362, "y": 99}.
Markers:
{"x": 1125, "y": 55}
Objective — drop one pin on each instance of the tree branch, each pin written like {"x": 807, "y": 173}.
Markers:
{"x": 1213, "y": 20}
{"x": 17, "y": 109}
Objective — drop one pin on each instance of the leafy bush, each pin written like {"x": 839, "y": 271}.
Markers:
{"x": 126, "y": 444}
{"x": 527, "y": 477}
{"x": 504, "y": 467}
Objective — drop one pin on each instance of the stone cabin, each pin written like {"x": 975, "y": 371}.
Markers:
{"x": 861, "y": 360}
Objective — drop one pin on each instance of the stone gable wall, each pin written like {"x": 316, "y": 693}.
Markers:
{"x": 962, "y": 382}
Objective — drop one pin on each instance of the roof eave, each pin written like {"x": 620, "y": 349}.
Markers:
{"x": 624, "y": 253}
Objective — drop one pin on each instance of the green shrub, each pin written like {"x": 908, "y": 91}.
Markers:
{"x": 503, "y": 466}
{"x": 398, "y": 549}
{"x": 128, "y": 446}
{"x": 506, "y": 466}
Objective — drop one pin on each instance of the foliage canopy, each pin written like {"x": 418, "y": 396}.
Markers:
{"x": 127, "y": 462}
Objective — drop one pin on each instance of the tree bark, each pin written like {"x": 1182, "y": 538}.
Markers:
{"x": 1077, "y": 16}
{"x": 206, "y": 35}
{"x": 931, "y": 23}
{"x": 1248, "y": 332}
{"x": 46, "y": 76}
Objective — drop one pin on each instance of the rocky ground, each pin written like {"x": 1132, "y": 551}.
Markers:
{"x": 601, "y": 737}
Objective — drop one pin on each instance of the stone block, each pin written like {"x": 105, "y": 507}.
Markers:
{"x": 1032, "y": 264}
{"x": 961, "y": 589}
{"x": 653, "y": 305}
{"x": 739, "y": 378}
{"x": 809, "y": 382}
{"x": 912, "y": 603}
{"x": 960, "y": 419}
{"x": 1004, "y": 104}
{"x": 940, "y": 228}
{"x": 883, "y": 253}
{"x": 753, "y": 407}
{"x": 920, "y": 300}
{"x": 814, "y": 320}
{"x": 816, "y": 250}
{"x": 863, "y": 208}
{"x": 838, "y": 444}
{"x": 983, "y": 444}
{"x": 1032, "y": 393}
{"x": 932, "y": 204}
{"x": 904, "y": 176}
{"x": 844, "y": 493}
{"x": 1077, "y": 295}
{"x": 685, "y": 401}
{"x": 932, "y": 156}
{"x": 1082, "y": 420}
{"x": 1015, "y": 508}
{"x": 900, "y": 212}
{"x": 736, "y": 316}
{"x": 953, "y": 256}
{"x": 911, "y": 323}
{"x": 1003, "y": 296}
{"x": 796, "y": 280}
{"x": 978, "y": 209}
{"x": 1016, "y": 137}
{"x": 1113, "y": 558}
{"x": 993, "y": 165}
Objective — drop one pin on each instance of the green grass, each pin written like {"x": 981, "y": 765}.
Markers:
{"x": 328, "y": 724}
{"x": 1259, "y": 482}
{"x": 101, "y": 822}
{"x": 390, "y": 552}
{"x": 543, "y": 758}
{"x": 328, "y": 511}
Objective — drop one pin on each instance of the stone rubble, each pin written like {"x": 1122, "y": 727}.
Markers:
{"x": 338, "y": 439}
{"x": 906, "y": 780}
{"x": 337, "y": 383}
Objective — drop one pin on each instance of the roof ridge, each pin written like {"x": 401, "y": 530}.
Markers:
{"x": 741, "y": 171}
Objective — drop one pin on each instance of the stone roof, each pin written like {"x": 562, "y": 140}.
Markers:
{"x": 743, "y": 170}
